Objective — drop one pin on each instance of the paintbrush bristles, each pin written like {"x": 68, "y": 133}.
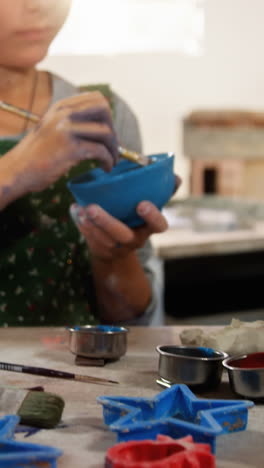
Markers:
{"x": 89, "y": 379}
{"x": 133, "y": 156}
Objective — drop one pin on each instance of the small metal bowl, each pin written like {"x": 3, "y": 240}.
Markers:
{"x": 198, "y": 367}
{"x": 246, "y": 375}
{"x": 100, "y": 341}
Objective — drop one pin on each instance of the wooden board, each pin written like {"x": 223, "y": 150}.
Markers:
{"x": 83, "y": 436}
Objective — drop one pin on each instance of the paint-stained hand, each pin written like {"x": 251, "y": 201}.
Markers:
{"x": 108, "y": 238}
{"x": 73, "y": 129}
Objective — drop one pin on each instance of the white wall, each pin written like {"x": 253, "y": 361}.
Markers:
{"x": 163, "y": 88}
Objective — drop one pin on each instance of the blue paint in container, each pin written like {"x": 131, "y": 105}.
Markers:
{"x": 99, "y": 328}
{"x": 207, "y": 352}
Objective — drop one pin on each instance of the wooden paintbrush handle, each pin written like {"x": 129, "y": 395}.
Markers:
{"x": 43, "y": 371}
{"x": 18, "y": 111}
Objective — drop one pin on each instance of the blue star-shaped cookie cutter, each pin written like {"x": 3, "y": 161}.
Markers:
{"x": 14, "y": 453}
{"x": 8, "y": 426}
{"x": 175, "y": 412}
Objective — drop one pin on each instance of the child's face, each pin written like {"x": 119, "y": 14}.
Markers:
{"x": 27, "y": 28}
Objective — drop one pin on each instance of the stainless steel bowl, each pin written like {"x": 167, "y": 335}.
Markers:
{"x": 101, "y": 341}
{"x": 246, "y": 375}
{"x": 200, "y": 368}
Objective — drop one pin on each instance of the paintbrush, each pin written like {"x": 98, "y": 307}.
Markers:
{"x": 54, "y": 373}
{"x": 124, "y": 152}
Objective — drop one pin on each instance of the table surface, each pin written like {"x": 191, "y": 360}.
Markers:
{"x": 83, "y": 437}
{"x": 178, "y": 243}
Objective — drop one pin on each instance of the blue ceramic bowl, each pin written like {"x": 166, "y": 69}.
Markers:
{"x": 119, "y": 191}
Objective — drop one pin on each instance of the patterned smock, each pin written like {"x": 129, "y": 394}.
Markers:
{"x": 44, "y": 262}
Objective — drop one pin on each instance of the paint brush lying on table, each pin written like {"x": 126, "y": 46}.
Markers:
{"x": 124, "y": 152}
{"x": 43, "y": 371}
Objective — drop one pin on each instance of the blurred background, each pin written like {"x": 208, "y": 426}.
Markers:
{"x": 193, "y": 72}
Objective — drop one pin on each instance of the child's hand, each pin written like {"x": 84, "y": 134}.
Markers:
{"x": 74, "y": 129}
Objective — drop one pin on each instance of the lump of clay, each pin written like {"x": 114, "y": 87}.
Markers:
{"x": 237, "y": 338}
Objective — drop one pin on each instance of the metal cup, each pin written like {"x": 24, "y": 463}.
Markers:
{"x": 198, "y": 367}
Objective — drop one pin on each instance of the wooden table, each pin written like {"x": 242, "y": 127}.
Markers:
{"x": 181, "y": 243}
{"x": 83, "y": 438}
{"x": 189, "y": 237}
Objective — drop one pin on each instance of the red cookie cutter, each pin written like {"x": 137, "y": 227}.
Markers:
{"x": 164, "y": 452}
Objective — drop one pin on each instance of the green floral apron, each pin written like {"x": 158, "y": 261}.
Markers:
{"x": 45, "y": 277}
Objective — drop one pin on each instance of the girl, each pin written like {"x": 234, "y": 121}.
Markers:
{"x": 49, "y": 274}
